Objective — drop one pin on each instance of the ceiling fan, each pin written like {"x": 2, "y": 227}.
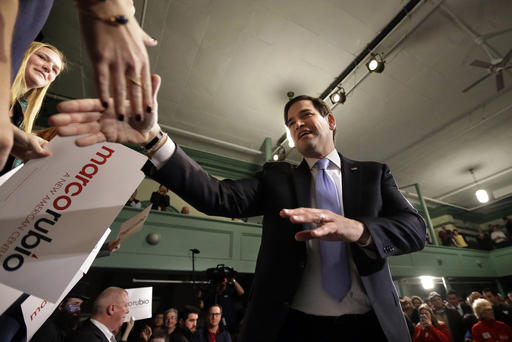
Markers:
{"x": 495, "y": 68}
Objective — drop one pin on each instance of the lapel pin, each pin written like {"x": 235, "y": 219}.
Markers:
{"x": 354, "y": 168}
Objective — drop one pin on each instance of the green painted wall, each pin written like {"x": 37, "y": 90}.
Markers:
{"x": 236, "y": 244}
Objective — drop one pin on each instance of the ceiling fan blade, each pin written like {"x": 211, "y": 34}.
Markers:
{"x": 500, "y": 84}
{"x": 475, "y": 83}
{"x": 505, "y": 59}
{"x": 481, "y": 64}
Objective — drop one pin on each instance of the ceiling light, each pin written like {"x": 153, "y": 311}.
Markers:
{"x": 375, "y": 64}
{"x": 427, "y": 282}
{"x": 279, "y": 154}
{"x": 481, "y": 195}
{"x": 338, "y": 96}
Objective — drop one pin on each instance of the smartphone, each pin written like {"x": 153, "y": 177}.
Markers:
{"x": 423, "y": 318}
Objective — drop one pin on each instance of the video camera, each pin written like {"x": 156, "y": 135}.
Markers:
{"x": 217, "y": 274}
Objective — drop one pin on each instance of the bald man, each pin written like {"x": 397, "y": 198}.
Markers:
{"x": 108, "y": 313}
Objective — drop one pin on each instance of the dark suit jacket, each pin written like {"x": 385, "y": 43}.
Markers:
{"x": 88, "y": 332}
{"x": 370, "y": 195}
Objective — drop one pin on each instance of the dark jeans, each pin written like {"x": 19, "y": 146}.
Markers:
{"x": 301, "y": 327}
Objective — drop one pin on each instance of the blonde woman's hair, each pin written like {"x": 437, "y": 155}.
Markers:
{"x": 479, "y": 305}
{"x": 34, "y": 96}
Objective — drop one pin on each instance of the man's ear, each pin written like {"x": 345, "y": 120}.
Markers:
{"x": 332, "y": 121}
{"x": 110, "y": 309}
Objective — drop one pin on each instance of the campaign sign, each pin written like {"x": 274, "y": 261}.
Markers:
{"x": 139, "y": 302}
{"x": 55, "y": 209}
{"x": 37, "y": 310}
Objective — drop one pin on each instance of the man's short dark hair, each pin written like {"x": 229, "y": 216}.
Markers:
{"x": 318, "y": 103}
{"x": 217, "y": 305}
{"x": 159, "y": 334}
{"x": 452, "y": 292}
{"x": 186, "y": 311}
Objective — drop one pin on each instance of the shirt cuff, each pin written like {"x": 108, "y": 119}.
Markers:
{"x": 164, "y": 153}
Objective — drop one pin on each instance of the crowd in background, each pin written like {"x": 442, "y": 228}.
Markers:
{"x": 496, "y": 236}
{"x": 481, "y": 317}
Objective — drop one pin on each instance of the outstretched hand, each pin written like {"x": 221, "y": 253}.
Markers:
{"x": 87, "y": 116}
{"x": 329, "y": 226}
{"x": 118, "y": 54}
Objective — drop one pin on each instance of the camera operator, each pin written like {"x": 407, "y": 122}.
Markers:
{"x": 223, "y": 291}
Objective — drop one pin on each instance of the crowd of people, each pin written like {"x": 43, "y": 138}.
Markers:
{"x": 481, "y": 317}
{"x": 495, "y": 237}
{"x": 211, "y": 318}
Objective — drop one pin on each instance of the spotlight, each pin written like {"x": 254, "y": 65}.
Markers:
{"x": 279, "y": 154}
{"x": 427, "y": 282}
{"x": 481, "y": 195}
{"x": 375, "y": 64}
{"x": 338, "y": 96}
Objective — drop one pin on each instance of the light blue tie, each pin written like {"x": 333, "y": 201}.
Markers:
{"x": 335, "y": 268}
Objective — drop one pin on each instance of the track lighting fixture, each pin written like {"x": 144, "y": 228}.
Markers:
{"x": 376, "y": 63}
{"x": 338, "y": 96}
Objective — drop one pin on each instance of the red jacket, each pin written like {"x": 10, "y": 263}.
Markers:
{"x": 491, "y": 331}
{"x": 432, "y": 334}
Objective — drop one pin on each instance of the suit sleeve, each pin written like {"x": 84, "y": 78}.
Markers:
{"x": 398, "y": 228}
{"x": 229, "y": 198}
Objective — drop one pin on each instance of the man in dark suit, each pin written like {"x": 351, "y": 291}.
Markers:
{"x": 108, "y": 313}
{"x": 292, "y": 298}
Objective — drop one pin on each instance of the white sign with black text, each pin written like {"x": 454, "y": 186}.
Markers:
{"x": 139, "y": 302}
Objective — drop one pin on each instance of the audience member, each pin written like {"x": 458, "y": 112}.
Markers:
{"x": 508, "y": 225}
{"x": 469, "y": 320}
{"x": 185, "y": 210}
{"x": 159, "y": 337}
{"x": 449, "y": 316}
{"x": 170, "y": 322}
{"x": 224, "y": 295}
{"x": 430, "y": 328}
{"x": 473, "y": 296}
{"x": 458, "y": 240}
{"x": 158, "y": 321}
{"x": 213, "y": 332}
{"x": 62, "y": 323}
{"x": 501, "y": 312}
{"x": 409, "y": 309}
{"x": 132, "y": 201}
{"x": 187, "y": 324}
{"x": 446, "y": 236}
{"x": 488, "y": 329}
{"x": 416, "y": 301}
{"x": 108, "y": 313}
{"x": 484, "y": 240}
{"x": 456, "y": 304}
{"x": 499, "y": 239}
{"x": 160, "y": 199}
{"x": 509, "y": 298}
{"x": 41, "y": 64}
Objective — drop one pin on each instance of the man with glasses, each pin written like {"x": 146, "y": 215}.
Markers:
{"x": 213, "y": 332}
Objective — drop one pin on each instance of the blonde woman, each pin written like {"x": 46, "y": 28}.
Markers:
{"x": 40, "y": 66}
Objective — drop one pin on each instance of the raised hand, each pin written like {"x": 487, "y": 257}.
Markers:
{"x": 87, "y": 116}
{"x": 329, "y": 226}
{"x": 118, "y": 55}
{"x": 28, "y": 146}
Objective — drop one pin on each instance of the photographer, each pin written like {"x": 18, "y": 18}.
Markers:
{"x": 223, "y": 290}
{"x": 429, "y": 329}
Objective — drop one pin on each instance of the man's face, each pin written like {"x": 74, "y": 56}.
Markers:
{"x": 214, "y": 316}
{"x": 121, "y": 309}
{"x": 437, "y": 302}
{"x": 72, "y": 306}
{"x": 191, "y": 322}
{"x": 159, "y": 320}
{"x": 491, "y": 297}
{"x": 171, "y": 319}
{"x": 162, "y": 190}
{"x": 453, "y": 300}
{"x": 310, "y": 131}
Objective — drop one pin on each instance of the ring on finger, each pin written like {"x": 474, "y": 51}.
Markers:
{"x": 322, "y": 219}
{"x": 136, "y": 80}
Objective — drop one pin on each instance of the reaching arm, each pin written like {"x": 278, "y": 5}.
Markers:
{"x": 8, "y": 11}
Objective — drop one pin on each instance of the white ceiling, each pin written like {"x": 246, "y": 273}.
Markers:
{"x": 228, "y": 64}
